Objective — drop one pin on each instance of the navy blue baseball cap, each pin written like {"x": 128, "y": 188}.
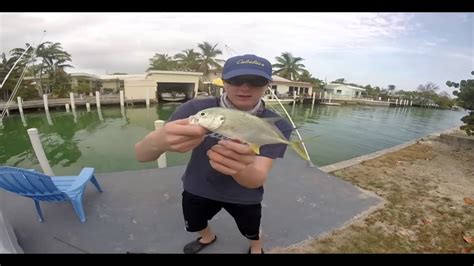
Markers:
{"x": 248, "y": 64}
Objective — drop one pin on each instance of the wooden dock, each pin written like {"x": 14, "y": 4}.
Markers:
{"x": 104, "y": 100}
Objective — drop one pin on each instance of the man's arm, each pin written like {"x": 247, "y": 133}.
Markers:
{"x": 239, "y": 161}
{"x": 177, "y": 136}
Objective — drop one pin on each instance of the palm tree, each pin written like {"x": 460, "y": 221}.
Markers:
{"x": 188, "y": 60}
{"x": 5, "y": 65}
{"x": 26, "y": 89}
{"x": 208, "y": 60}
{"x": 288, "y": 66}
{"x": 51, "y": 57}
{"x": 17, "y": 52}
{"x": 162, "y": 62}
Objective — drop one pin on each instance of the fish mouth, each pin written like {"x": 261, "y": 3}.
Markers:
{"x": 193, "y": 120}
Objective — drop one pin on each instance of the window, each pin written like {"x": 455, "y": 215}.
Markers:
{"x": 339, "y": 91}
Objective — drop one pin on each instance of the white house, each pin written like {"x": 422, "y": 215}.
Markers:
{"x": 137, "y": 86}
{"x": 342, "y": 91}
{"x": 286, "y": 87}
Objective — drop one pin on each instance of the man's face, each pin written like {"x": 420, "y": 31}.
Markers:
{"x": 245, "y": 91}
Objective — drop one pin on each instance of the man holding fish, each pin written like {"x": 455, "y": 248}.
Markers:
{"x": 229, "y": 167}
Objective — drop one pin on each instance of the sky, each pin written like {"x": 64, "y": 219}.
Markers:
{"x": 380, "y": 49}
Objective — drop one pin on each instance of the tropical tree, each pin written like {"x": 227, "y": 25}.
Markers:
{"x": 51, "y": 57}
{"x": 26, "y": 90}
{"x": 465, "y": 100}
{"x": 188, "y": 60}
{"x": 60, "y": 84}
{"x": 371, "y": 91}
{"x": 84, "y": 88}
{"x": 391, "y": 89}
{"x": 162, "y": 62}
{"x": 307, "y": 77}
{"x": 428, "y": 87}
{"x": 207, "y": 60}
{"x": 427, "y": 93}
{"x": 5, "y": 66}
{"x": 444, "y": 101}
{"x": 288, "y": 66}
{"x": 16, "y": 53}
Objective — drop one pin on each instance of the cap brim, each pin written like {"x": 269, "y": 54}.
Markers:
{"x": 240, "y": 72}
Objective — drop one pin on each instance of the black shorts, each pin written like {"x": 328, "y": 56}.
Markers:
{"x": 198, "y": 211}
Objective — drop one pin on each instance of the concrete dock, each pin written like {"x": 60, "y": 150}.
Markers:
{"x": 140, "y": 212}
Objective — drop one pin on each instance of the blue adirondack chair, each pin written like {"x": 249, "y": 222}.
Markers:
{"x": 41, "y": 187}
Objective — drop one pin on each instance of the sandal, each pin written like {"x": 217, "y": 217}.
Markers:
{"x": 196, "y": 246}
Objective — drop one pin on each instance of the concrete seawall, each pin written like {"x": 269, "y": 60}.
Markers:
{"x": 344, "y": 164}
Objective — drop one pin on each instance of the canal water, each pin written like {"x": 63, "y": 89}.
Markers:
{"x": 104, "y": 138}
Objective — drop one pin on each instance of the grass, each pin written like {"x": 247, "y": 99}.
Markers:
{"x": 418, "y": 216}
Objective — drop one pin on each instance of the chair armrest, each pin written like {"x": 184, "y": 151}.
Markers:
{"x": 84, "y": 176}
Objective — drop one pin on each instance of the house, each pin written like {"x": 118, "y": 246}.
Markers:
{"x": 285, "y": 87}
{"x": 212, "y": 75}
{"x": 137, "y": 86}
{"x": 79, "y": 80}
{"x": 342, "y": 91}
{"x": 154, "y": 83}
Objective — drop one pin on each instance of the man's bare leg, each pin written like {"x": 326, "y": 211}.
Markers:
{"x": 207, "y": 235}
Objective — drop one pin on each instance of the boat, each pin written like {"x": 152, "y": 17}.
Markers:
{"x": 273, "y": 101}
{"x": 329, "y": 103}
{"x": 173, "y": 96}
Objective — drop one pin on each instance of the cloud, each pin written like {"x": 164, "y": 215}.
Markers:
{"x": 124, "y": 42}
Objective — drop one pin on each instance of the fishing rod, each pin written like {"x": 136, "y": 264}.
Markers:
{"x": 292, "y": 123}
{"x": 13, "y": 67}
{"x": 19, "y": 80}
{"x": 15, "y": 90}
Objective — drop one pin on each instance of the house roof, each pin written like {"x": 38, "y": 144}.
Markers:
{"x": 84, "y": 75}
{"x": 174, "y": 72}
{"x": 123, "y": 77}
{"x": 278, "y": 79}
{"x": 335, "y": 85}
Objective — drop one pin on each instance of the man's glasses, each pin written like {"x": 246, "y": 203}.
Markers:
{"x": 252, "y": 81}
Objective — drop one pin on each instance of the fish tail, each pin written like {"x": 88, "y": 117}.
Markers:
{"x": 298, "y": 147}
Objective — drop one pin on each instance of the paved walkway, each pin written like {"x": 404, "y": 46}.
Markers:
{"x": 140, "y": 211}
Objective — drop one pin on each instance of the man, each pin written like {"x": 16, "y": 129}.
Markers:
{"x": 221, "y": 174}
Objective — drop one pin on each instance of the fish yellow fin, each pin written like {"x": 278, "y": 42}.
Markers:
{"x": 298, "y": 147}
{"x": 255, "y": 148}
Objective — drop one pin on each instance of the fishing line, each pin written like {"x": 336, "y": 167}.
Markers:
{"x": 15, "y": 90}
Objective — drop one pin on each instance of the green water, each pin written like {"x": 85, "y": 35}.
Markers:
{"x": 105, "y": 140}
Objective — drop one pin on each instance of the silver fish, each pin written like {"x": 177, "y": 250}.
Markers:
{"x": 242, "y": 126}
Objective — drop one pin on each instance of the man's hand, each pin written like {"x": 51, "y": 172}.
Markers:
{"x": 230, "y": 157}
{"x": 180, "y": 136}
